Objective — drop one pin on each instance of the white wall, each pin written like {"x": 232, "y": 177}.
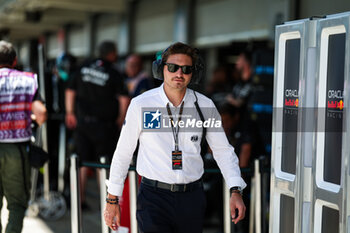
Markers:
{"x": 224, "y": 21}
{"x": 78, "y": 37}
{"x": 23, "y": 54}
{"x": 323, "y": 7}
{"x": 53, "y": 49}
{"x": 107, "y": 28}
{"x": 154, "y": 25}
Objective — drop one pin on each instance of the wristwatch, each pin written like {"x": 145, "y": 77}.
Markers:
{"x": 236, "y": 189}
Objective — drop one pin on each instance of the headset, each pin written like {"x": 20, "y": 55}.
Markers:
{"x": 197, "y": 73}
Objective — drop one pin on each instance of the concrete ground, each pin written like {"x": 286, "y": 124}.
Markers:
{"x": 91, "y": 219}
{"x": 30, "y": 225}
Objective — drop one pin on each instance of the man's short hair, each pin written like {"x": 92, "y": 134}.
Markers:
{"x": 7, "y": 53}
{"x": 180, "y": 48}
{"x": 106, "y": 48}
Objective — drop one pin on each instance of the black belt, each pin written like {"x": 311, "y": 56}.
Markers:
{"x": 173, "y": 187}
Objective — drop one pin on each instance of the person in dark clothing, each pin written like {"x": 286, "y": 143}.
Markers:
{"x": 239, "y": 133}
{"x": 96, "y": 102}
{"x": 243, "y": 89}
{"x": 63, "y": 70}
{"x": 219, "y": 86}
{"x": 137, "y": 80}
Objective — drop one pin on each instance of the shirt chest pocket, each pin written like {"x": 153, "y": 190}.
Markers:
{"x": 190, "y": 142}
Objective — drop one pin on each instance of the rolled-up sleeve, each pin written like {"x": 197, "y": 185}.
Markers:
{"x": 224, "y": 154}
{"x": 125, "y": 148}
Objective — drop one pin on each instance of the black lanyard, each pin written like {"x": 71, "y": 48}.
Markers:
{"x": 175, "y": 130}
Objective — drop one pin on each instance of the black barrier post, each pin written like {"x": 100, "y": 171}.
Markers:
{"x": 75, "y": 195}
{"x": 265, "y": 194}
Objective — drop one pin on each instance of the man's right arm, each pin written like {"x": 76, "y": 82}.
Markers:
{"x": 125, "y": 149}
{"x": 121, "y": 161}
{"x": 71, "y": 120}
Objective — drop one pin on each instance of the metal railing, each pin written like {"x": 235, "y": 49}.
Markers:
{"x": 76, "y": 224}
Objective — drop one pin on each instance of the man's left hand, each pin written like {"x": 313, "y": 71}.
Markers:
{"x": 39, "y": 112}
{"x": 236, "y": 202}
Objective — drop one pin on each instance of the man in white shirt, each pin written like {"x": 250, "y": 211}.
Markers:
{"x": 171, "y": 196}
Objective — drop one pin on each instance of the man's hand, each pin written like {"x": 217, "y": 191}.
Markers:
{"x": 71, "y": 120}
{"x": 39, "y": 112}
{"x": 236, "y": 202}
{"x": 112, "y": 216}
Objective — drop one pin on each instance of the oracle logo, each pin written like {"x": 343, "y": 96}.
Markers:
{"x": 291, "y": 93}
{"x": 335, "y": 94}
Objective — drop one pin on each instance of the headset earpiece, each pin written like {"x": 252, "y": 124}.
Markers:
{"x": 157, "y": 69}
{"x": 198, "y": 68}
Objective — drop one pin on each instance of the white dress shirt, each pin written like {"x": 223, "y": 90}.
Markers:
{"x": 154, "y": 160}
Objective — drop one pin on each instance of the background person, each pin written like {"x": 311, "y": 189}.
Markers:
{"x": 242, "y": 90}
{"x": 61, "y": 71}
{"x": 96, "y": 102}
{"x": 137, "y": 80}
{"x": 18, "y": 100}
{"x": 219, "y": 85}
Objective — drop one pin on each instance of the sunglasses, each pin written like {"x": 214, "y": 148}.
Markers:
{"x": 185, "y": 69}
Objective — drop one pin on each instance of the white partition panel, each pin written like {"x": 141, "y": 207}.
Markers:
{"x": 329, "y": 166}
{"x": 294, "y": 83}
{"x": 283, "y": 177}
{"x": 310, "y": 175}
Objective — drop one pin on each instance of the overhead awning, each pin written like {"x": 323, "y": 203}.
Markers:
{"x": 25, "y": 19}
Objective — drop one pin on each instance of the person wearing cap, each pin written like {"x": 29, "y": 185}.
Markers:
{"x": 19, "y": 104}
{"x": 96, "y": 100}
{"x": 171, "y": 196}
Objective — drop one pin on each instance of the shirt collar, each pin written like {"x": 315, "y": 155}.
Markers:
{"x": 165, "y": 98}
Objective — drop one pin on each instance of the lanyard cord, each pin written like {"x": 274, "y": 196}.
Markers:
{"x": 175, "y": 130}
{"x": 204, "y": 130}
